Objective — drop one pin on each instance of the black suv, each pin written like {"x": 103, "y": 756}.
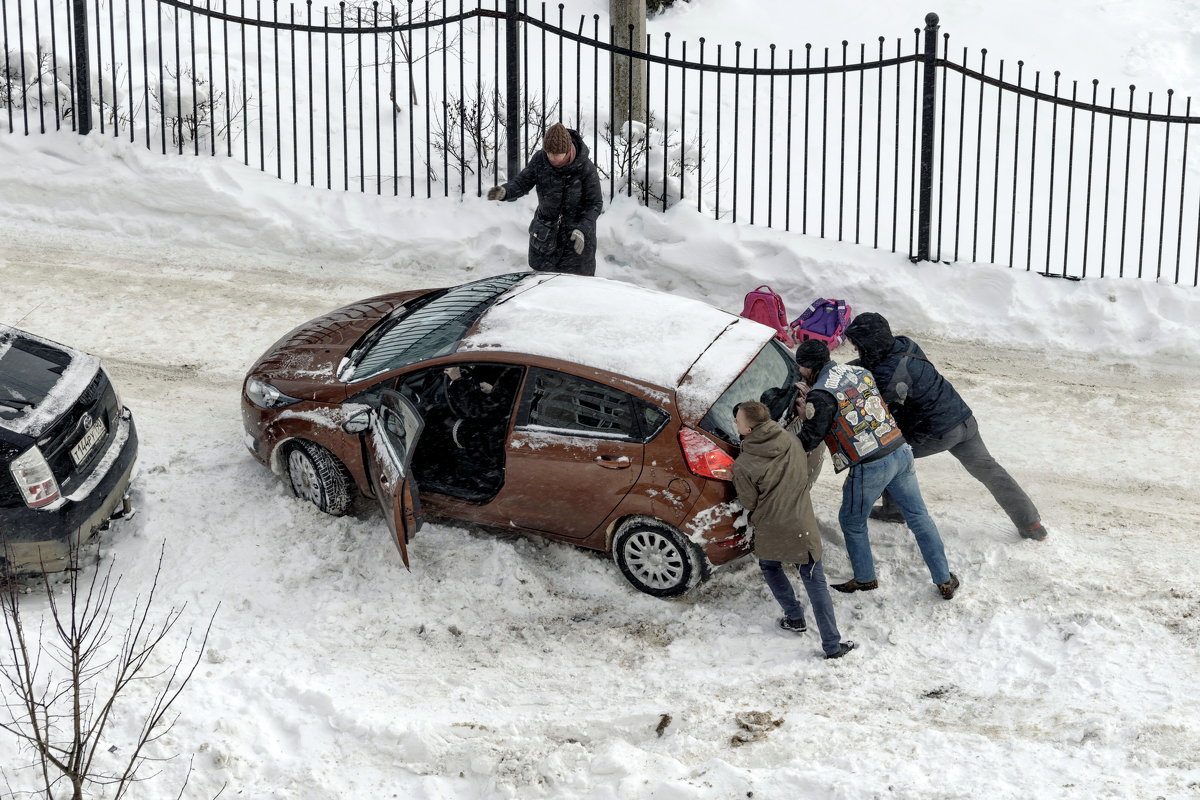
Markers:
{"x": 67, "y": 450}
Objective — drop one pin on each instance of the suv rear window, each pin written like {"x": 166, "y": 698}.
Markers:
{"x": 770, "y": 379}
{"x": 30, "y": 371}
{"x": 433, "y": 329}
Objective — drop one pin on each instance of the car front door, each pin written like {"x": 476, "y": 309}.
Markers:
{"x": 574, "y": 453}
{"x": 390, "y": 440}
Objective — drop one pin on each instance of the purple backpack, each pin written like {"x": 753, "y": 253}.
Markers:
{"x": 823, "y": 319}
{"x": 764, "y": 305}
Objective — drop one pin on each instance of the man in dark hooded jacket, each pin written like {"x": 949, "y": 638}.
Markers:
{"x": 562, "y": 235}
{"x": 934, "y": 418}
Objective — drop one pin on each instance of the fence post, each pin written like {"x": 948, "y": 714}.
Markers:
{"x": 83, "y": 84}
{"x": 928, "y": 107}
{"x": 512, "y": 96}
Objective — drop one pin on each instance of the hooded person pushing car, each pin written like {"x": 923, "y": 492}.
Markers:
{"x": 562, "y": 234}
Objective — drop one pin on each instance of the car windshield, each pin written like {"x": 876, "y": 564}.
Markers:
{"x": 770, "y": 378}
{"x": 434, "y": 329}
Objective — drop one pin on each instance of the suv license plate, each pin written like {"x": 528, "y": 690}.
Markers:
{"x": 94, "y": 434}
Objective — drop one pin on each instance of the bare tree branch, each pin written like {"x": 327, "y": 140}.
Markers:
{"x": 60, "y": 714}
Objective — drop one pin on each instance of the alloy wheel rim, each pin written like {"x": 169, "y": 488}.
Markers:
{"x": 654, "y": 560}
{"x": 304, "y": 476}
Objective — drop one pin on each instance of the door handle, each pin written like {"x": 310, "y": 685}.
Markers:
{"x": 609, "y": 462}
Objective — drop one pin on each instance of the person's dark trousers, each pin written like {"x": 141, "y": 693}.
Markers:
{"x": 964, "y": 443}
{"x": 812, "y": 575}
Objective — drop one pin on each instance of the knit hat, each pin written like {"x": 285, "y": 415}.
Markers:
{"x": 813, "y": 354}
{"x": 558, "y": 140}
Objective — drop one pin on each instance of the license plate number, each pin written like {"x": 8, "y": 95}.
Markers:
{"x": 91, "y": 438}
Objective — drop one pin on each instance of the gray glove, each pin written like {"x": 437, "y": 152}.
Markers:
{"x": 576, "y": 240}
{"x": 496, "y": 193}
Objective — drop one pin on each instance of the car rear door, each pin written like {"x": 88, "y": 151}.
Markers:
{"x": 574, "y": 453}
{"x": 395, "y": 428}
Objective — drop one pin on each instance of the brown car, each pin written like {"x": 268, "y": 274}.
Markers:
{"x": 582, "y": 409}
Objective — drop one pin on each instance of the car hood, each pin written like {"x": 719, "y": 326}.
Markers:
{"x": 304, "y": 363}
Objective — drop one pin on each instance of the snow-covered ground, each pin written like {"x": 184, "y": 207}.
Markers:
{"x": 514, "y": 667}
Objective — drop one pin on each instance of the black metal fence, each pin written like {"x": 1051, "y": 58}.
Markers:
{"x": 901, "y": 144}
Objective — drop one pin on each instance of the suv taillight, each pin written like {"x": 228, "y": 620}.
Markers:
{"x": 703, "y": 456}
{"x": 34, "y": 478}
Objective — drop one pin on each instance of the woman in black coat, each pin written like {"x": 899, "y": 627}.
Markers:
{"x": 562, "y": 235}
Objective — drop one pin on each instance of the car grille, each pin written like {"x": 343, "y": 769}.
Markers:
{"x": 97, "y": 401}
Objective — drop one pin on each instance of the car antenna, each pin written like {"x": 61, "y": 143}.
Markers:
{"x": 27, "y": 313}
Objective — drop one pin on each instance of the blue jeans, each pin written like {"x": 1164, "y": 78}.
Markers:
{"x": 813, "y": 577}
{"x": 864, "y": 485}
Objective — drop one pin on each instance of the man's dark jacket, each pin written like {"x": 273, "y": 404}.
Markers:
{"x": 571, "y": 192}
{"x": 923, "y": 403}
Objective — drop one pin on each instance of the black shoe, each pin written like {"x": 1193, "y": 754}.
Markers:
{"x": 885, "y": 514}
{"x": 843, "y": 648}
{"x": 949, "y": 587}
{"x": 1037, "y": 532}
{"x": 854, "y": 586}
{"x": 793, "y": 625}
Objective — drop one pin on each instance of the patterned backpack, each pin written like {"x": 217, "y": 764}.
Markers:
{"x": 764, "y": 305}
{"x": 823, "y": 319}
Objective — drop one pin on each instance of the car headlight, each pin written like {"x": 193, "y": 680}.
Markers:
{"x": 264, "y": 395}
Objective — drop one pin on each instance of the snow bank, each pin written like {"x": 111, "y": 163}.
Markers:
{"x": 108, "y": 185}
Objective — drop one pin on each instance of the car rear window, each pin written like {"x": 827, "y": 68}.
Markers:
{"x": 770, "y": 379}
{"x": 434, "y": 329}
{"x": 29, "y": 371}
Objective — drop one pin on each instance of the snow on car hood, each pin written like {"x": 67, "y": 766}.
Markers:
{"x": 651, "y": 336}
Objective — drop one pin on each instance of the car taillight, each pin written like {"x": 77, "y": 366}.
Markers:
{"x": 34, "y": 478}
{"x": 703, "y": 456}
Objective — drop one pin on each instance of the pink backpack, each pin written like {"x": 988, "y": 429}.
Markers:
{"x": 823, "y": 319}
{"x": 764, "y": 305}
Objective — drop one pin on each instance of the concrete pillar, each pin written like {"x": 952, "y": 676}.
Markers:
{"x": 628, "y": 74}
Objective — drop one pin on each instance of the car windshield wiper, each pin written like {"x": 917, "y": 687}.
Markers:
{"x": 368, "y": 341}
{"x": 14, "y": 402}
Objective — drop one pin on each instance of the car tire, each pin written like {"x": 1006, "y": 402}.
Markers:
{"x": 656, "y": 558}
{"x": 317, "y": 476}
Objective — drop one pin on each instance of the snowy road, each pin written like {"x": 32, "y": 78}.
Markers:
{"x": 513, "y": 667}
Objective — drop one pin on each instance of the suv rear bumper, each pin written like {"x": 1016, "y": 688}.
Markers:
{"x": 42, "y": 540}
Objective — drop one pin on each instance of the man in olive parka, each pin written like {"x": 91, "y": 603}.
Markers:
{"x": 771, "y": 476}
{"x": 562, "y": 234}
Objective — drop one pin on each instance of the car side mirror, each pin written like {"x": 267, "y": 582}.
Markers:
{"x": 358, "y": 422}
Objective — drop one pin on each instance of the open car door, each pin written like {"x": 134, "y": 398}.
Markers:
{"x": 395, "y": 427}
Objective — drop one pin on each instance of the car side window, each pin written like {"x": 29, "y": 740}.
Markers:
{"x": 557, "y": 402}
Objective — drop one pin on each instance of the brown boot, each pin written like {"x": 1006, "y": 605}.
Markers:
{"x": 854, "y": 586}
{"x": 949, "y": 587}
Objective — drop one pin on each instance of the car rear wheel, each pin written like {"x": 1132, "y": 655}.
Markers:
{"x": 656, "y": 558}
{"x": 318, "y": 477}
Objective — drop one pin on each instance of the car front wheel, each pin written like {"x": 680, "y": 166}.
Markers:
{"x": 656, "y": 558}
{"x": 318, "y": 477}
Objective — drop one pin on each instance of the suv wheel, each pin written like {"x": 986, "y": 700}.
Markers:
{"x": 656, "y": 558}
{"x": 318, "y": 477}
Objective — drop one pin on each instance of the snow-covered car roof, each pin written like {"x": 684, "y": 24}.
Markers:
{"x": 651, "y": 336}
{"x": 75, "y": 378}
